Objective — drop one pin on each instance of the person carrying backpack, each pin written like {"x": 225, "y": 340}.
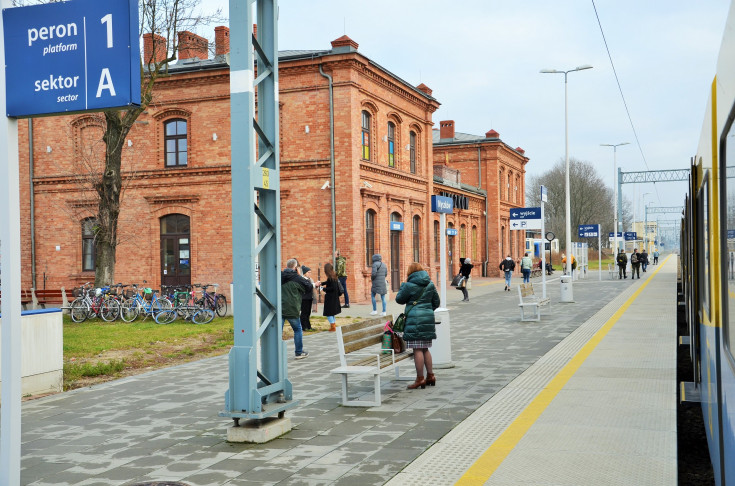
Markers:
{"x": 635, "y": 264}
{"x": 622, "y": 261}
{"x": 526, "y": 264}
{"x": 507, "y": 266}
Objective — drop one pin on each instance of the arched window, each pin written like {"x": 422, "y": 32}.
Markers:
{"x": 510, "y": 178}
{"x": 366, "y": 119}
{"x": 463, "y": 241}
{"x": 175, "y": 143}
{"x": 500, "y": 184}
{"x": 369, "y": 236}
{"x": 89, "y": 246}
{"x": 416, "y": 238}
{"x": 519, "y": 192}
{"x": 475, "y": 257}
{"x": 412, "y": 146}
{"x": 437, "y": 242}
{"x": 391, "y": 144}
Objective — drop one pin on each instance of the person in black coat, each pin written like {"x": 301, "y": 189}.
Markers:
{"x": 307, "y": 301}
{"x": 331, "y": 296}
{"x": 465, "y": 269}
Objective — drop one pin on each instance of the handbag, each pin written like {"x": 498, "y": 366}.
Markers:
{"x": 399, "y": 345}
{"x": 387, "y": 343}
{"x": 456, "y": 280}
{"x": 340, "y": 289}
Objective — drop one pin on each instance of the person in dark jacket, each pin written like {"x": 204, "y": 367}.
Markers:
{"x": 507, "y": 266}
{"x": 635, "y": 264}
{"x": 378, "y": 275}
{"x": 421, "y": 298}
{"x": 622, "y": 261}
{"x": 465, "y": 269}
{"x": 293, "y": 286}
{"x": 307, "y": 300}
{"x": 331, "y": 296}
{"x": 643, "y": 257}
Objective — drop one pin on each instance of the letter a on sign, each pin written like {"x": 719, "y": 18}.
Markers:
{"x": 105, "y": 83}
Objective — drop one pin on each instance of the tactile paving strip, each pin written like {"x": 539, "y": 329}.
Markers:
{"x": 448, "y": 460}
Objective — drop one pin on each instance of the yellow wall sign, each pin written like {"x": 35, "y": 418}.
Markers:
{"x": 266, "y": 178}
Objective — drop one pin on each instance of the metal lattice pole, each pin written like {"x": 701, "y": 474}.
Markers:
{"x": 258, "y": 383}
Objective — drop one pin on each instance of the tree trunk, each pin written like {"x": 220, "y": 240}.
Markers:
{"x": 109, "y": 188}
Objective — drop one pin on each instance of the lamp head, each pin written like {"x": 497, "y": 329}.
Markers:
{"x": 547, "y": 71}
{"x": 583, "y": 67}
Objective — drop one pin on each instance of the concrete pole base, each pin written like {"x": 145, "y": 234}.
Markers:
{"x": 441, "y": 351}
{"x": 259, "y": 431}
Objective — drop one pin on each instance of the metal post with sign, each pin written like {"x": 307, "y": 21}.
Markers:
{"x": 590, "y": 231}
{"x": 442, "y": 351}
{"x": 66, "y": 57}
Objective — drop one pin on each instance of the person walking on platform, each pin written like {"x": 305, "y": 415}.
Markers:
{"x": 331, "y": 296}
{"x": 622, "y": 261}
{"x": 465, "y": 270}
{"x": 421, "y": 299}
{"x": 526, "y": 265}
{"x": 507, "y": 266}
{"x": 293, "y": 286}
{"x": 341, "y": 264}
{"x": 379, "y": 276}
{"x": 307, "y": 300}
{"x": 635, "y": 264}
{"x": 643, "y": 257}
{"x": 655, "y": 257}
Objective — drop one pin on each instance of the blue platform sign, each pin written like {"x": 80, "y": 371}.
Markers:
{"x": 589, "y": 230}
{"x": 451, "y": 232}
{"x": 441, "y": 204}
{"x": 525, "y": 218}
{"x": 396, "y": 226}
{"x": 630, "y": 236}
{"x": 612, "y": 235}
{"x": 75, "y": 56}
{"x": 730, "y": 234}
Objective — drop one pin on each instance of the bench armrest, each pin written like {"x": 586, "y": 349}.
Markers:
{"x": 370, "y": 355}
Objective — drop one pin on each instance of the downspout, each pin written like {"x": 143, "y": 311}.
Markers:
{"x": 331, "y": 163}
{"x": 487, "y": 210}
{"x": 33, "y": 205}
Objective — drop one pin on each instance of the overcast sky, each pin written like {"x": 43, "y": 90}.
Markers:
{"x": 482, "y": 60}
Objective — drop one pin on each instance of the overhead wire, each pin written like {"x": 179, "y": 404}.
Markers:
{"x": 625, "y": 103}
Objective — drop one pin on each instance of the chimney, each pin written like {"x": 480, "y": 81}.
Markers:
{"x": 446, "y": 129}
{"x": 520, "y": 150}
{"x": 154, "y": 48}
{"x": 492, "y": 134}
{"x": 221, "y": 40}
{"x": 344, "y": 44}
{"x": 424, "y": 88}
{"x": 192, "y": 45}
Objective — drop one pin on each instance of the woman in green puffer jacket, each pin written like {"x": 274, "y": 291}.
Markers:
{"x": 421, "y": 298}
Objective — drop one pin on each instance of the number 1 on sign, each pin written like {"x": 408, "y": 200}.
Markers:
{"x": 107, "y": 19}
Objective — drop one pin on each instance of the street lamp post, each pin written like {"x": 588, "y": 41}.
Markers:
{"x": 567, "y": 208}
{"x": 645, "y": 214}
{"x": 615, "y": 191}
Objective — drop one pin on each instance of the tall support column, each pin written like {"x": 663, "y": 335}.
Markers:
{"x": 258, "y": 382}
{"x": 620, "y": 202}
{"x": 10, "y": 421}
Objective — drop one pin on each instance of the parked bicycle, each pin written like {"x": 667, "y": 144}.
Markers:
{"x": 94, "y": 302}
{"x": 212, "y": 300}
{"x": 143, "y": 302}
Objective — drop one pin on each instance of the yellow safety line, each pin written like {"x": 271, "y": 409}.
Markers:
{"x": 491, "y": 459}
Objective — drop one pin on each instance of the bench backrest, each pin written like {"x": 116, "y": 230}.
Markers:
{"x": 527, "y": 290}
{"x": 360, "y": 335}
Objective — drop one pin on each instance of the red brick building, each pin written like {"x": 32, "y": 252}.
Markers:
{"x": 489, "y": 164}
{"x": 175, "y": 223}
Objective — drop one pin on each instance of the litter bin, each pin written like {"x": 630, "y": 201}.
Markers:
{"x": 567, "y": 295}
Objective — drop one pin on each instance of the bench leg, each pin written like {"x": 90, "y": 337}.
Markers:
{"x": 361, "y": 403}
{"x": 401, "y": 377}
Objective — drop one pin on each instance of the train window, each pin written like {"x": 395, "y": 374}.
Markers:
{"x": 727, "y": 151}
{"x": 703, "y": 244}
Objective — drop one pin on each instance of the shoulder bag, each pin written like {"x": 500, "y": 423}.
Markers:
{"x": 399, "y": 324}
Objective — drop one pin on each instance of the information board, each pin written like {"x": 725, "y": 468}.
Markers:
{"x": 75, "y": 56}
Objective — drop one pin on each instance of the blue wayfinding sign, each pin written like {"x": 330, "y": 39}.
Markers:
{"x": 396, "y": 226}
{"x": 525, "y": 213}
{"x": 451, "y": 232}
{"x": 630, "y": 236}
{"x": 80, "y": 55}
{"x": 441, "y": 204}
{"x": 612, "y": 235}
{"x": 589, "y": 230}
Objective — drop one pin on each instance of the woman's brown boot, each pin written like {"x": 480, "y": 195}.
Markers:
{"x": 333, "y": 328}
{"x": 420, "y": 382}
{"x": 431, "y": 379}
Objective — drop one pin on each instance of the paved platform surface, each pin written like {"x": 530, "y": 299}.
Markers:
{"x": 164, "y": 425}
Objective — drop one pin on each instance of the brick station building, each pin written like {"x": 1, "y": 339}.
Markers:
{"x": 175, "y": 222}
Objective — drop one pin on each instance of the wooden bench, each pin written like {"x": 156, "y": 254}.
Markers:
{"x": 360, "y": 353}
{"x": 44, "y": 297}
{"x": 26, "y": 297}
{"x": 529, "y": 299}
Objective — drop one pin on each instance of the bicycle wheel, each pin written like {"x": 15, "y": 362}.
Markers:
{"x": 165, "y": 316}
{"x": 129, "y": 310}
{"x": 221, "y": 305}
{"x": 109, "y": 310}
{"x": 203, "y": 316}
{"x": 79, "y": 310}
